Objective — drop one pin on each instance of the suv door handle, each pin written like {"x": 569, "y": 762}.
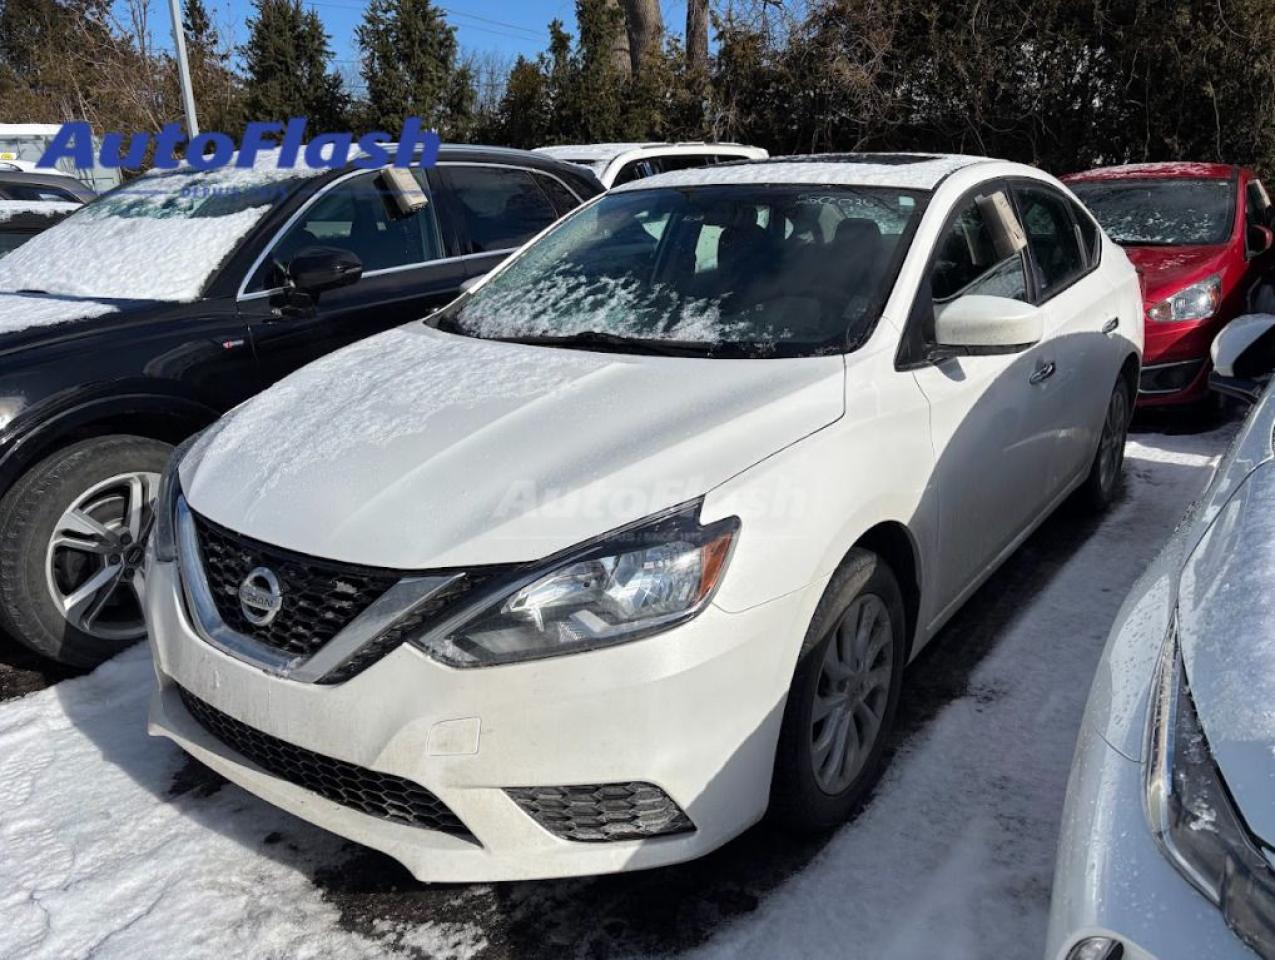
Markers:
{"x": 1043, "y": 373}
{"x": 1110, "y": 326}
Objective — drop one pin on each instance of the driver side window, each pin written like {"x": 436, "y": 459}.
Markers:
{"x": 357, "y": 215}
{"x": 965, "y": 261}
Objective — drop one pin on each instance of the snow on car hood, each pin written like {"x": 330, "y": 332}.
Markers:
{"x": 1226, "y": 623}
{"x": 20, "y": 311}
{"x": 417, "y": 449}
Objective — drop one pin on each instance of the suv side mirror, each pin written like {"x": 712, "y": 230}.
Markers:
{"x": 977, "y": 324}
{"x": 316, "y": 269}
{"x": 1244, "y": 357}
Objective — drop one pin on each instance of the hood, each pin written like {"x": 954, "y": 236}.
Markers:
{"x": 1166, "y": 270}
{"x": 419, "y": 449}
{"x": 1226, "y": 623}
{"x": 21, "y": 311}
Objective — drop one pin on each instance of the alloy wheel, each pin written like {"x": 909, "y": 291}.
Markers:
{"x": 852, "y": 693}
{"x": 94, "y": 561}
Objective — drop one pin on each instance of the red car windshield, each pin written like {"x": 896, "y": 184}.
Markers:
{"x": 1161, "y": 213}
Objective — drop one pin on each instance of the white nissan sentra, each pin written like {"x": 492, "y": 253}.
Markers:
{"x": 631, "y": 543}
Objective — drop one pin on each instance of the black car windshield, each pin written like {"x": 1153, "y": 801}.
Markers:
{"x": 1162, "y": 213}
{"x": 158, "y": 237}
{"x": 728, "y": 270}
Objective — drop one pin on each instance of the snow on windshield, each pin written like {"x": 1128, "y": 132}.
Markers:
{"x": 1170, "y": 212}
{"x": 159, "y": 237}
{"x": 792, "y": 269}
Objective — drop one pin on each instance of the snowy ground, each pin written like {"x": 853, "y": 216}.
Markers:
{"x": 112, "y": 844}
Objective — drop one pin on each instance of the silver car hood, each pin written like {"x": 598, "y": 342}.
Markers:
{"x": 419, "y": 449}
{"x": 1226, "y": 623}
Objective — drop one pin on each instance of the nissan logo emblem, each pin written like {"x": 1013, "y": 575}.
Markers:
{"x": 260, "y": 597}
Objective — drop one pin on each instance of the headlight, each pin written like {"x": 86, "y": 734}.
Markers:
{"x": 163, "y": 535}
{"x": 638, "y": 580}
{"x": 1191, "y": 814}
{"x": 1196, "y": 302}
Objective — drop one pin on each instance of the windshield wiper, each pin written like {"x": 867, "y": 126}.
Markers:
{"x": 615, "y": 343}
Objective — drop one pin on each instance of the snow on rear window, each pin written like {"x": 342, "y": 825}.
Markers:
{"x": 159, "y": 237}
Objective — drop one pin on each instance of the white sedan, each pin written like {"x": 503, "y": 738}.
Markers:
{"x": 631, "y": 543}
{"x": 1169, "y": 827}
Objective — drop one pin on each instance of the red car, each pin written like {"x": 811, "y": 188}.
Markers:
{"x": 1198, "y": 234}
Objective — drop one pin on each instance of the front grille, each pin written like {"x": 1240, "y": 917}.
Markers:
{"x": 610, "y": 811}
{"x": 379, "y": 795}
{"x": 320, "y": 597}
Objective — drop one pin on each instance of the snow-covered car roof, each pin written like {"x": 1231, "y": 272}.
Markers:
{"x": 596, "y": 152}
{"x": 915, "y": 171}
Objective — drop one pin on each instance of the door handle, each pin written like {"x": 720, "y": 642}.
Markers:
{"x": 1110, "y": 326}
{"x": 1043, "y": 373}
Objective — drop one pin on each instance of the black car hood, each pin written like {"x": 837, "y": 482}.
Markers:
{"x": 27, "y": 317}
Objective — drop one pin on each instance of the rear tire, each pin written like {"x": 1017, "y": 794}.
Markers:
{"x": 1106, "y": 474}
{"x": 72, "y": 532}
{"x": 843, "y": 698}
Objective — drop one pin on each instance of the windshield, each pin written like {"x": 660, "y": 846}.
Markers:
{"x": 1166, "y": 213}
{"x": 733, "y": 269}
{"x": 159, "y": 237}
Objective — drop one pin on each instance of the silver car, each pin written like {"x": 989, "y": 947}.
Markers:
{"x": 1168, "y": 838}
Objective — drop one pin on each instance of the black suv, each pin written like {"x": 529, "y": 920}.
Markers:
{"x": 143, "y": 316}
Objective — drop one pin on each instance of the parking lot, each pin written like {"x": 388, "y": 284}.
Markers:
{"x": 114, "y": 844}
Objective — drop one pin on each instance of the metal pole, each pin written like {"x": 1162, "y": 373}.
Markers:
{"x": 183, "y": 69}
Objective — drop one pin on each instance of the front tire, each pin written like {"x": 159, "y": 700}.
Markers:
{"x": 1106, "y": 474}
{"x": 72, "y": 535}
{"x": 843, "y": 698}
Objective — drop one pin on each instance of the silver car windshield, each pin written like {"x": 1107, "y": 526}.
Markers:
{"x": 733, "y": 269}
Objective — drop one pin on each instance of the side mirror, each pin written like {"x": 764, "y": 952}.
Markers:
{"x": 1258, "y": 240}
{"x": 977, "y": 324}
{"x": 1243, "y": 357}
{"x": 316, "y": 269}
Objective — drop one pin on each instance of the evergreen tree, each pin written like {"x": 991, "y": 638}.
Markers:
{"x": 409, "y": 65}
{"x": 286, "y": 62}
{"x": 524, "y": 113}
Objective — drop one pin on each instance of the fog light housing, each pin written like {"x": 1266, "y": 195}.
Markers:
{"x": 1096, "y": 948}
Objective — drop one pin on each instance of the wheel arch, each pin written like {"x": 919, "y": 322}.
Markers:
{"x": 894, "y": 543}
{"x": 169, "y": 419}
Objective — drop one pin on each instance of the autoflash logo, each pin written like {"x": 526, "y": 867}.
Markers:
{"x": 207, "y": 151}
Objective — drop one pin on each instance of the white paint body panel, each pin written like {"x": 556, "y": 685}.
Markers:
{"x": 408, "y": 450}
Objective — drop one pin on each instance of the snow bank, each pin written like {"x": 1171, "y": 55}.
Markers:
{"x": 99, "y": 859}
{"x": 19, "y": 311}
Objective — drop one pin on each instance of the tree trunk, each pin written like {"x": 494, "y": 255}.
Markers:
{"x": 620, "y": 57}
{"x": 646, "y": 30}
{"x": 697, "y": 37}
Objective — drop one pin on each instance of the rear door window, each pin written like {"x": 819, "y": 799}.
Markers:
{"x": 563, "y": 200}
{"x": 493, "y": 208}
{"x": 1052, "y": 239}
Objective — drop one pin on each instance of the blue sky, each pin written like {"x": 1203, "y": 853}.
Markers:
{"x": 497, "y": 26}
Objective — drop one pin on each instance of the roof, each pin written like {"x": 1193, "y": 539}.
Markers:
{"x": 1177, "y": 170}
{"x": 916, "y": 171}
{"x": 608, "y": 151}
{"x": 46, "y": 179}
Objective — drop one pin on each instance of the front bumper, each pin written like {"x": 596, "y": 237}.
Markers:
{"x": 1112, "y": 880}
{"x": 695, "y": 711}
{"x": 1175, "y": 362}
